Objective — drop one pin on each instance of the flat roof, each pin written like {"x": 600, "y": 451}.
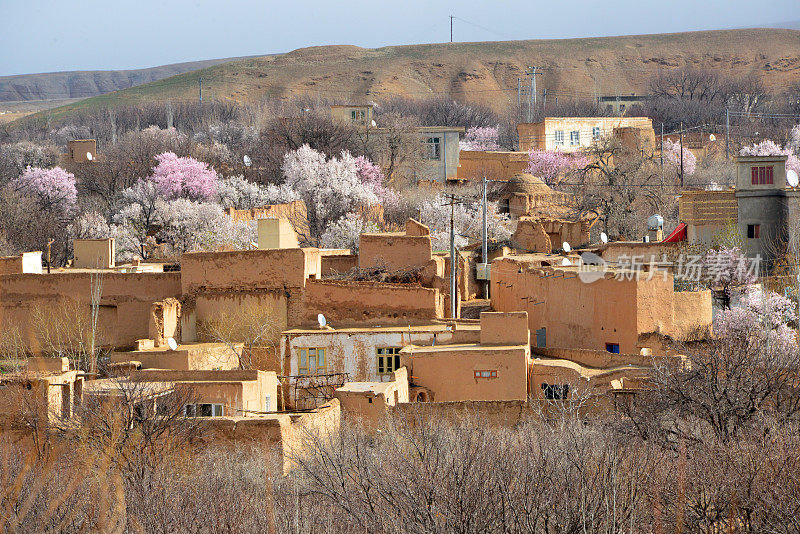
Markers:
{"x": 433, "y": 327}
{"x": 460, "y": 347}
{"x": 366, "y": 387}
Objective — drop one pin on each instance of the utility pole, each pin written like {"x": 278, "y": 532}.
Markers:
{"x": 200, "y": 84}
{"x": 727, "y": 131}
{"x": 662, "y": 147}
{"x": 453, "y": 263}
{"x": 485, "y": 241}
{"x": 519, "y": 93}
{"x": 681, "y": 155}
{"x": 544, "y": 101}
{"x": 451, "y": 28}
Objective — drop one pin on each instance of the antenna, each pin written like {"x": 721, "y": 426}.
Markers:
{"x": 566, "y": 247}
{"x": 792, "y": 178}
{"x": 247, "y": 161}
{"x": 173, "y": 345}
{"x": 604, "y": 237}
{"x": 321, "y": 320}
{"x": 89, "y": 156}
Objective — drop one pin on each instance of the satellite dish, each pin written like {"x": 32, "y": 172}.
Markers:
{"x": 603, "y": 237}
{"x": 565, "y": 262}
{"x": 173, "y": 345}
{"x": 247, "y": 161}
{"x": 321, "y": 320}
{"x": 654, "y": 222}
{"x": 792, "y": 178}
{"x": 374, "y": 124}
{"x": 89, "y": 156}
{"x": 712, "y": 137}
{"x": 566, "y": 246}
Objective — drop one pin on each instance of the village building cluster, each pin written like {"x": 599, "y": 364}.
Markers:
{"x": 280, "y": 338}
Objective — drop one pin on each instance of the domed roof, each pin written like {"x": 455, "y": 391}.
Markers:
{"x": 527, "y": 184}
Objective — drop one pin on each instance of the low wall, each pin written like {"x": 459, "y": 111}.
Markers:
{"x": 248, "y": 269}
{"x": 600, "y": 359}
{"x": 370, "y": 302}
{"x": 395, "y": 251}
{"x": 338, "y": 263}
{"x": 492, "y": 413}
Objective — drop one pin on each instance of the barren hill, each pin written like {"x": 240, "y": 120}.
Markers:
{"x": 484, "y": 72}
{"x": 84, "y": 84}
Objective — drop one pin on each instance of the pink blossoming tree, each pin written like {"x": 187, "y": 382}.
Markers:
{"x": 54, "y": 188}
{"x": 551, "y": 166}
{"x": 371, "y": 176}
{"x": 481, "y": 138}
{"x": 178, "y": 177}
{"x": 768, "y": 147}
{"x": 672, "y": 156}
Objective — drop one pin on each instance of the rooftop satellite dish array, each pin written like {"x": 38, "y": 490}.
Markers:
{"x": 791, "y": 178}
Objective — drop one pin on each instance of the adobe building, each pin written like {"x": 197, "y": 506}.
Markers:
{"x": 525, "y": 194}
{"x": 473, "y": 165}
{"x": 620, "y": 104}
{"x": 569, "y": 134}
{"x": 186, "y": 357}
{"x": 25, "y": 263}
{"x": 295, "y": 212}
{"x": 81, "y": 151}
{"x": 369, "y": 402}
{"x": 125, "y": 305}
{"x": 706, "y": 214}
{"x": 93, "y": 253}
{"x": 45, "y": 390}
{"x": 360, "y": 115}
{"x": 213, "y": 393}
{"x": 613, "y": 309}
{"x": 493, "y": 369}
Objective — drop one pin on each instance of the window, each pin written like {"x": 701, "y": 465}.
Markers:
{"x": 761, "y": 175}
{"x": 357, "y": 115}
{"x": 434, "y": 148}
{"x": 595, "y": 133}
{"x": 574, "y": 138}
{"x": 312, "y": 361}
{"x": 203, "y": 410}
{"x": 555, "y": 391}
{"x": 486, "y": 374}
{"x": 753, "y": 231}
{"x": 609, "y": 108}
{"x": 559, "y": 137}
{"x": 541, "y": 337}
{"x": 621, "y": 109}
{"x": 268, "y": 403}
{"x": 613, "y": 348}
{"x": 388, "y": 361}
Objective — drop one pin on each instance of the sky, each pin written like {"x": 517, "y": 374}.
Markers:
{"x": 58, "y": 35}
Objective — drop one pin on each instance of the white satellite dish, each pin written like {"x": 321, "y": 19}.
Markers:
{"x": 172, "y": 344}
{"x": 374, "y": 124}
{"x": 565, "y": 262}
{"x": 603, "y": 237}
{"x": 321, "y": 320}
{"x": 247, "y": 161}
{"x": 712, "y": 137}
{"x": 89, "y": 156}
{"x": 792, "y": 178}
{"x": 566, "y": 246}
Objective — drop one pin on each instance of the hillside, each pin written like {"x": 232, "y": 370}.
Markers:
{"x": 83, "y": 84}
{"x": 484, "y": 72}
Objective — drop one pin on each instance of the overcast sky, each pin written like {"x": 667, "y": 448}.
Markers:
{"x": 57, "y": 35}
